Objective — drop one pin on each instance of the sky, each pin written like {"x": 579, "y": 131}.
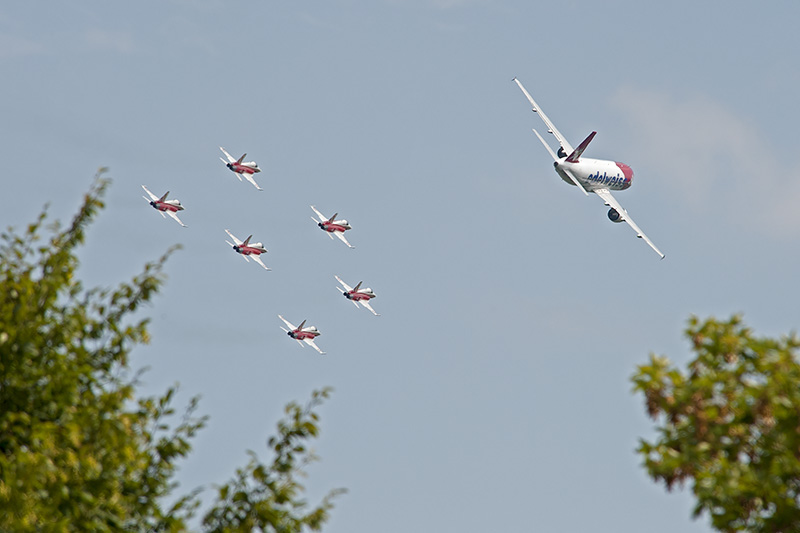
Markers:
{"x": 493, "y": 393}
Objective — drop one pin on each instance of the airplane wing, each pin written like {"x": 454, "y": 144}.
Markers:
{"x": 175, "y": 216}
{"x": 320, "y": 215}
{"x": 288, "y": 324}
{"x": 340, "y": 234}
{"x": 249, "y": 178}
{"x": 610, "y": 201}
{"x": 345, "y": 285}
{"x": 550, "y": 127}
{"x": 365, "y": 303}
{"x": 230, "y": 159}
{"x": 152, "y": 196}
{"x": 257, "y": 259}
{"x": 237, "y": 241}
{"x": 310, "y": 342}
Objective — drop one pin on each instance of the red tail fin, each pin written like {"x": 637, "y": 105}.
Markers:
{"x": 574, "y": 156}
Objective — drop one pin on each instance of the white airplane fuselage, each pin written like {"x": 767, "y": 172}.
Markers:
{"x": 305, "y": 333}
{"x": 168, "y": 205}
{"x": 244, "y": 168}
{"x": 596, "y": 173}
{"x": 251, "y": 249}
{"x": 359, "y": 295}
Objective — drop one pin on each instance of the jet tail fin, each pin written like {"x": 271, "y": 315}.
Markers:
{"x": 576, "y": 154}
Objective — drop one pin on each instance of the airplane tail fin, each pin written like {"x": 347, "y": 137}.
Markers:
{"x": 575, "y": 155}
{"x": 358, "y": 286}
{"x": 303, "y": 323}
{"x": 247, "y": 241}
{"x": 164, "y": 198}
{"x": 241, "y": 159}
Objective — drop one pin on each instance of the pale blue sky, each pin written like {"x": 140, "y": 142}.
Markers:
{"x": 493, "y": 393}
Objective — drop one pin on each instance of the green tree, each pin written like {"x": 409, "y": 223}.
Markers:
{"x": 730, "y": 424}
{"x": 78, "y": 450}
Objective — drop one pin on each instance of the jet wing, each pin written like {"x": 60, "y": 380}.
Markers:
{"x": 550, "y": 127}
{"x": 152, "y": 196}
{"x": 320, "y": 215}
{"x": 249, "y": 177}
{"x": 610, "y": 201}
{"x": 257, "y": 259}
{"x": 237, "y": 241}
{"x": 230, "y": 158}
{"x": 310, "y": 342}
{"x": 173, "y": 215}
{"x": 288, "y": 324}
{"x": 345, "y": 285}
{"x": 340, "y": 234}
{"x": 365, "y": 303}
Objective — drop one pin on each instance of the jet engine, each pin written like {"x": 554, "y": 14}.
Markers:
{"x": 614, "y": 216}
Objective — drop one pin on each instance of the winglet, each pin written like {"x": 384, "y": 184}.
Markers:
{"x": 576, "y": 154}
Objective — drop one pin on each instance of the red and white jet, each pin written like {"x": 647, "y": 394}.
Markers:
{"x": 246, "y": 248}
{"x": 357, "y": 295}
{"x": 241, "y": 168}
{"x": 332, "y": 226}
{"x": 170, "y": 207}
{"x": 590, "y": 175}
{"x": 299, "y": 333}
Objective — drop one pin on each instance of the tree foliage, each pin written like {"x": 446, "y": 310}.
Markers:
{"x": 730, "y": 424}
{"x": 78, "y": 450}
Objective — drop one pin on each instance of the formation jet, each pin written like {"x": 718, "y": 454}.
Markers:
{"x": 299, "y": 333}
{"x": 332, "y": 226}
{"x": 357, "y": 295}
{"x": 590, "y": 175}
{"x": 170, "y": 207}
{"x": 246, "y": 248}
{"x": 241, "y": 168}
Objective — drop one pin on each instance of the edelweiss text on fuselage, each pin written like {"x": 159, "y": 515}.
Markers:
{"x": 605, "y": 179}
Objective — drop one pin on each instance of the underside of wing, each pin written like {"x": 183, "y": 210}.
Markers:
{"x": 610, "y": 201}
{"x": 232, "y": 236}
{"x": 341, "y": 236}
{"x": 152, "y": 196}
{"x": 550, "y": 127}
{"x": 230, "y": 158}
{"x": 311, "y": 343}
{"x": 320, "y": 215}
{"x": 365, "y": 303}
{"x": 345, "y": 285}
{"x": 257, "y": 259}
{"x": 288, "y": 324}
{"x": 175, "y": 216}
{"x": 249, "y": 177}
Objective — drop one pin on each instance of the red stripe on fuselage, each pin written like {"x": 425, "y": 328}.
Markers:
{"x": 247, "y": 250}
{"x": 242, "y": 169}
{"x": 358, "y": 296}
{"x": 330, "y": 228}
{"x": 163, "y": 206}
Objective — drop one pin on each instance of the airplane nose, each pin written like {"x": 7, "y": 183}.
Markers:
{"x": 627, "y": 172}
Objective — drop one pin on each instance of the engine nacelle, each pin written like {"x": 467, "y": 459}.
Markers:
{"x": 614, "y": 216}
